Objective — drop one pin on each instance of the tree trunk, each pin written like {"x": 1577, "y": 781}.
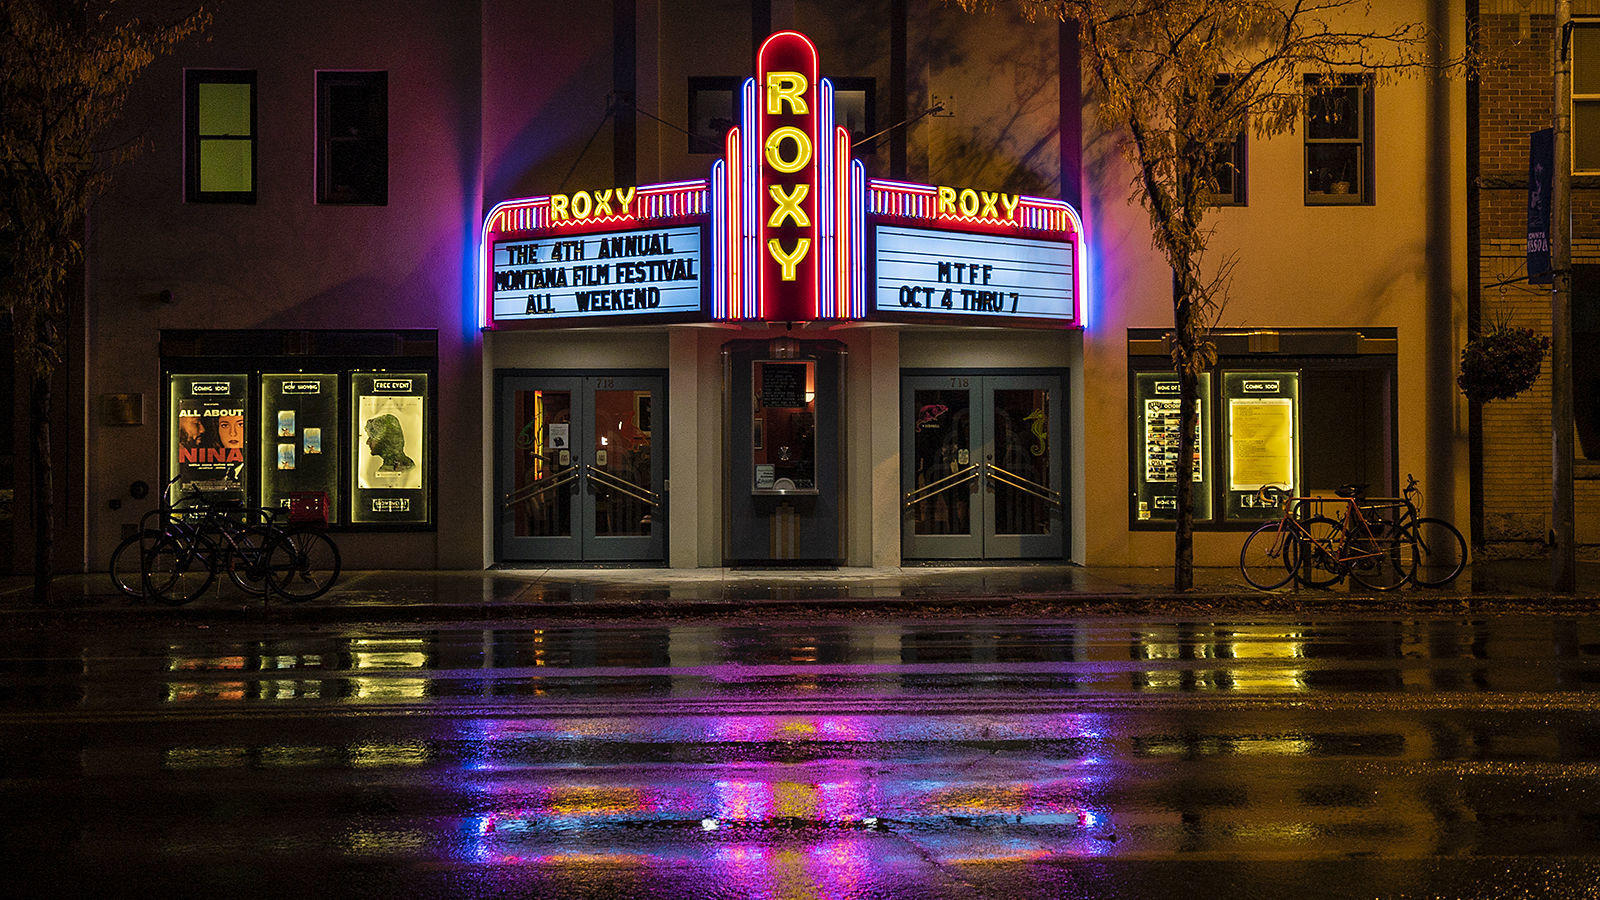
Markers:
{"x": 1183, "y": 543}
{"x": 44, "y": 525}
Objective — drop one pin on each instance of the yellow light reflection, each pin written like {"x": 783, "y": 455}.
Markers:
{"x": 372, "y": 842}
{"x": 595, "y": 801}
{"x": 366, "y": 688}
{"x": 204, "y": 758}
{"x": 374, "y": 755}
{"x": 388, "y": 653}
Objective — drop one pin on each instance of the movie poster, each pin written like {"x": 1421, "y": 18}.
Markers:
{"x": 295, "y": 408}
{"x": 208, "y": 434}
{"x": 392, "y": 442}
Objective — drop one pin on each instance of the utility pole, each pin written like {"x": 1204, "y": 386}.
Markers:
{"x": 1563, "y": 555}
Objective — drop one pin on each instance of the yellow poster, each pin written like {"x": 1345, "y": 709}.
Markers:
{"x": 1262, "y": 434}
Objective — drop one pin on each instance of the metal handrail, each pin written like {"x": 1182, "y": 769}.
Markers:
{"x": 935, "y": 488}
{"x": 624, "y": 486}
{"x": 539, "y": 486}
{"x": 1017, "y": 482}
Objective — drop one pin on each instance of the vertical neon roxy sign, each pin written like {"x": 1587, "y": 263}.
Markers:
{"x": 786, "y": 120}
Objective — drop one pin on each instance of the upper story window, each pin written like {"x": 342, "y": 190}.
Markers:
{"x": 1586, "y": 98}
{"x": 1338, "y": 139}
{"x": 1228, "y": 174}
{"x": 714, "y": 108}
{"x": 353, "y": 138}
{"x": 220, "y": 136}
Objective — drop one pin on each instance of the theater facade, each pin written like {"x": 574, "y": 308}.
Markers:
{"x": 746, "y": 362}
{"x": 819, "y": 333}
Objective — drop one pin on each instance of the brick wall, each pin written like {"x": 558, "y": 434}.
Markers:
{"x": 1515, "y": 99}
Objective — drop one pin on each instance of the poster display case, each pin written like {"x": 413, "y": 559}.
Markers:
{"x": 208, "y": 436}
{"x": 299, "y": 428}
{"x": 1155, "y": 452}
{"x": 1261, "y": 440}
{"x": 783, "y": 436}
{"x": 391, "y": 419}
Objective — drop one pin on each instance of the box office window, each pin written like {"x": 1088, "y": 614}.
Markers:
{"x": 1309, "y": 423}
{"x": 219, "y": 136}
{"x": 362, "y": 438}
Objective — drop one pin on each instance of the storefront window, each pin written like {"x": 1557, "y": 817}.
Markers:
{"x": 300, "y": 438}
{"x": 1310, "y": 409}
{"x": 1155, "y": 455}
{"x": 390, "y": 425}
{"x": 208, "y": 433}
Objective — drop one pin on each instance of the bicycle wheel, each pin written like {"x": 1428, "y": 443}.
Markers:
{"x": 1441, "y": 552}
{"x": 1384, "y": 559}
{"x": 177, "y": 569}
{"x": 1262, "y": 559}
{"x": 247, "y": 559}
{"x": 301, "y": 564}
{"x": 1315, "y": 559}
{"x": 127, "y": 570}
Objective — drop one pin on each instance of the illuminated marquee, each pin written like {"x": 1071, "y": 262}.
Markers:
{"x": 779, "y": 233}
{"x": 942, "y": 252}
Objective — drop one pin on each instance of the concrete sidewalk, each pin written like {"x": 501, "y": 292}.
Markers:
{"x": 1025, "y": 590}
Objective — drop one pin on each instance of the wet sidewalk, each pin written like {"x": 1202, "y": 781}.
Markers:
{"x": 1019, "y": 590}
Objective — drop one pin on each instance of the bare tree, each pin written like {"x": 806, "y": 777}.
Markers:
{"x": 1178, "y": 80}
{"x": 66, "y": 67}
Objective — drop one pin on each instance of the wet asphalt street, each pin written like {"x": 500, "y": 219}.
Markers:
{"x": 1435, "y": 757}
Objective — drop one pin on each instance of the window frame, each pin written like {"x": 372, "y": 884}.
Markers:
{"x": 696, "y": 142}
{"x": 325, "y": 80}
{"x": 1593, "y": 99}
{"x": 1362, "y": 183}
{"x": 193, "y": 79}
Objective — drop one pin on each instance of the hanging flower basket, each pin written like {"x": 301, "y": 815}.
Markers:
{"x": 1501, "y": 363}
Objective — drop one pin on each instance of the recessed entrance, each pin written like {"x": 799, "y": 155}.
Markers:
{"x": 982, "y": 466}
{"x": 581, "y": 467}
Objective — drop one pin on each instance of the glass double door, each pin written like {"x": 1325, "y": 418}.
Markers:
{"x": 581, "y": 468}
{"x": 982, "y": 466}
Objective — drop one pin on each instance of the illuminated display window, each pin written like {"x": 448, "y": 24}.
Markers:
{"x": 209, "y": 436}
{"x": 299, "y": 427}
{"x": 353, "y": 138}
{"x": 220, "y": 136}
{"x": 1312, "y": 409}
{"x": 391, "y": 423}
{"x": 1155, "y": 448}
{"x": 258, "y": 429}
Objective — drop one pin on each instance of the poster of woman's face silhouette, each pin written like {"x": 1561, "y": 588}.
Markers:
{"x": 391, "y": 443}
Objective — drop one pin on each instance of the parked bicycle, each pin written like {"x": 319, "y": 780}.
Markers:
{"x": 180, "y": 548}
{"x": 1366, "y": 542}
{"x": 1441, "y": 550}
{"x": 1381, "y": 543}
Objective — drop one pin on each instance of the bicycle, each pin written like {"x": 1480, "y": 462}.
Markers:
{"x": 1319, "y": 551}
{"x": 1441, "y": 549}
{"x": 199, "y": 538}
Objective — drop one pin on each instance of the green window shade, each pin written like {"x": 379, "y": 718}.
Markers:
{"x": 224, "y": 109}
{"x": 225, "y": 165}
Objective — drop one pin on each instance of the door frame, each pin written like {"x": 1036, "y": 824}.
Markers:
{"x": 979, "y": 436}
{"x": 583, "y": 545}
